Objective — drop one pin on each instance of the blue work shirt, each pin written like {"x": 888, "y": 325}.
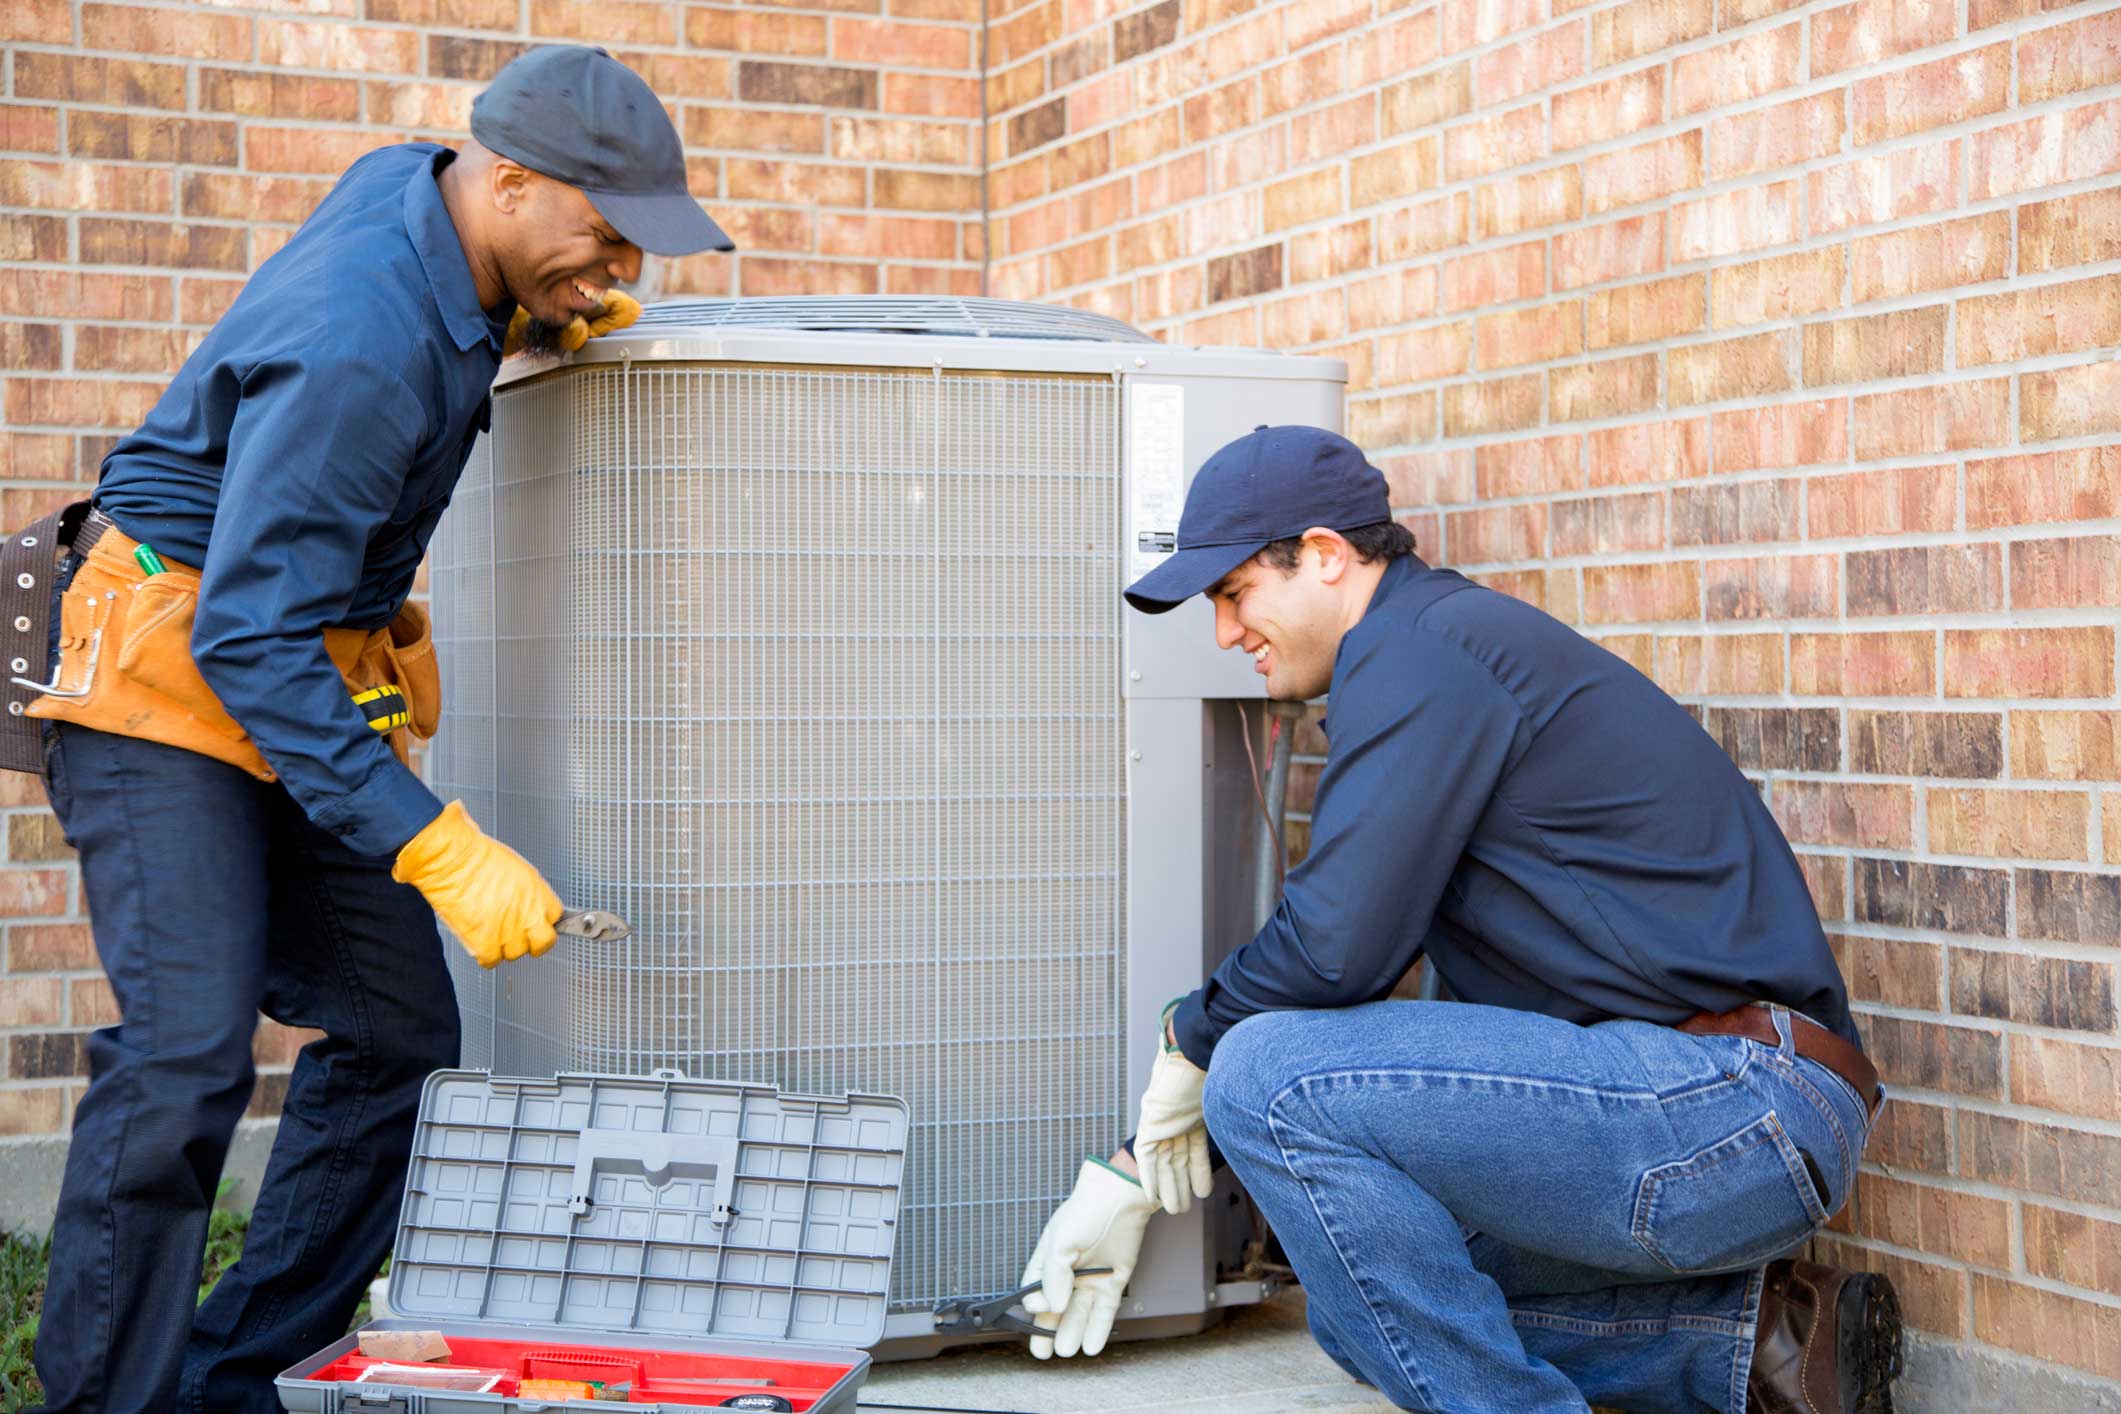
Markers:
{"x": 301, "y": 458}
{"x": 1546, "y": 825}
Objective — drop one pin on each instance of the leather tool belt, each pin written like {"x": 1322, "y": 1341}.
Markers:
{"x": 124, "y": 662}
{"x": 1809, "y": 1039}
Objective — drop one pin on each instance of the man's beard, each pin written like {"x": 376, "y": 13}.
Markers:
{"x": 540, "y": 337}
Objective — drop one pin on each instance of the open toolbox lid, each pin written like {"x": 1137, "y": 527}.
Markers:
{"x": 651, "y": 1204}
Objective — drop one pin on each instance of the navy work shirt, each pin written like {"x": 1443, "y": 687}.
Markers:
{"x": 1552, "y": 830}
{"x": 301, "y": 459}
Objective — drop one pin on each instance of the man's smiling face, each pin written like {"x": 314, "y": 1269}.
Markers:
{"x": 1289, "y": 621}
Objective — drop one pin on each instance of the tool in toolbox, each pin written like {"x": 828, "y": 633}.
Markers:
{"x": 704, "y": 1244}
{"x": 594, "y": 925}
{"x": 967, "y": 1315}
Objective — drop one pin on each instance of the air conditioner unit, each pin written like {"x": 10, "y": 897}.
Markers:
{"x": 791, "y": 630}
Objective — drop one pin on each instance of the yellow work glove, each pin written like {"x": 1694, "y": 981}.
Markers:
{"x": 616, "y": 312}
{"x": 499, "y": 907}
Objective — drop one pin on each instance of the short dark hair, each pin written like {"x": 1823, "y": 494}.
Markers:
{"x": 1386, "y": 540}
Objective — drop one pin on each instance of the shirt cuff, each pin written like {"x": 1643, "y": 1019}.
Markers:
{"x": 388, "y": 809}
{"x": 1196, "y": 1034}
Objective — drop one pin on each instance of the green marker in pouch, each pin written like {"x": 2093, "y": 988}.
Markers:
{"x": 148, "y": 560}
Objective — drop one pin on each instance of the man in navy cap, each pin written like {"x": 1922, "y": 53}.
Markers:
{"x": 237, "y": 676}
{"x": 1578, "y": 1181}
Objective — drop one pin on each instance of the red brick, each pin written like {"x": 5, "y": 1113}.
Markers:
{"x": 1596, "y": 525}
{"x": 1633, "y": 314}
{"x": 1421, "y": 355}
{"x": 2080, "y": 484}
{"x": 32, "y": 1109}
{"x": 1897, "y": 501}
{"x": 31, "y": 346}
{"x": 1535, "y": 467}
{"x": 2070, "y": 402}
{"x": 2110, "y": 827}
{"x": 1778, "y": 587}
{"x": 1548, "y": 58}
{"x": 2043, "y": 319}
{"x": 1748, "y": 512}
{"x": 1789, "y": 434}
{"x": 1428, "y": 99}
{"x": 2012, "y": 824}
{"x": 1899, "y": 664}
{"x": 1925, "y": 579}
{"x": 1641, "y": 593}
{"x": 2029, "y": 662}
{"x": 2068, "y": 58}
{"x": 1780, "y": 287}
{"x": 1535, "y": 335}
{"x": 1892, "y": 971}
{"x": 205, "y": 301}
{"x": 1930, "y": 95}
{"x": 124, "y": 83}
{"x": 38, "y": 21}
{"x": 891, "y": 42}
{"x": 1329, "y": 254}
{"x": 51, "y": 402}
{"x": 1525, "y": 203}
{"x": 1932, "y": 1297}
{"x": 1467, "y": 23}
{"x": 136, "y": 30}
{"x": 2070, "y": 230}
{"x": 1944, "y": 417}
{"x": 1603, "y": 111}
{"x": 36, "y": 456}
{"x": 1389, "y": 50}
{"x": 1612, "y": 387}
{"x": 2074, "y": 144}
{"x": 125, "y": 242}
{"x": 1733, "y": 368}
{"x": 105, "y": 349}
{"x": 308, "y": 150}
{"x": 2075, "y": 746}
{"x": 1634, "y": 649}
{"x": 28, "y": 129}
{"x": 84, "y": 186}
{"x": 1964, "y": 1226}
{"x": 1496, "y": 405}
{"x": 1428, "y": 478}
{"x": 1877, "y": 346}
{"x": 2077, "y": 573}
{"x": 2048, "y": 1325}
{"x": 1782, "y": 136}
{"x": 1648, "y": 452}
{"x": 1643, "y": 173}
{"x": 1372, "y": 178}
{"x": 1719, "y": 664}
{"x": 1981, "y": 14}
{"x": 1392, "y": 298}
{"x": 1316, "y": 195}
{"x": 1549, "y": 590}
{"x": 1870, "y": 30}
{"x": 1498, "y": 276}
{"x": 300, "y": 44}
{"x": 1489, "y": 144}
{"x": 2072, "y": 1248}
{"x": 1301, "y": 81}
{"x": 807, "y": 277}
{"x": 1645, "y": 26}
{"x": 1617, "y": 250}
{"x": 605, "y": 21}
{"x": 85, "y": 296}
{"x": 1898, "y": 184}
{"x": 31, "y": 1001}
{"x": 1969, "y": 251}
{"x": 886, "y": 140}
{"x": 269, "y": 95}
{"x": 1397, "y": 421}
{"x": 2066, "y": 1077}
{"x": 752, "y": 32}
{"x": 1422, "y": 228}
{"x": 1308, "y": 21}
{"x": 1962, "y": 1060}
{"x": 446, "y": 14}
{"x": 1311, "y": 318}
{"x": 1496, "y": 533}
{"x": 1168, "y": 293}
{"x": 1745, "y": 68}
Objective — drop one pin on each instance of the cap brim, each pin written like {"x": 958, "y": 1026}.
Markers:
{"x": 1187, "y": 573}
{"x": 664, "y": 223}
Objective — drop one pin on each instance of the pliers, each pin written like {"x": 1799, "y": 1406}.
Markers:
{"x": 966, "y": 1315}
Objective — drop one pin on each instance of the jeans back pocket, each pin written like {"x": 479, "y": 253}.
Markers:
{"x": 1738, "y": 1202}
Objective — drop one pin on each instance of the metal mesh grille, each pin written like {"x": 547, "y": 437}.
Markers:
{"x": 813, "y": 676}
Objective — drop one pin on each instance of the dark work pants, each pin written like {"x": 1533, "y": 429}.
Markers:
{"x": 213, "y": 897}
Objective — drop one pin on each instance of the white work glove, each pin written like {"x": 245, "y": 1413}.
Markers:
{"x": 1171, "y": 1139}
{"x": 1099, "y": 1226}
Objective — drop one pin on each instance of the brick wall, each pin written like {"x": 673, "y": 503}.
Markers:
{"x": 151, "y": 156}
{"x": 1771, "y": 344}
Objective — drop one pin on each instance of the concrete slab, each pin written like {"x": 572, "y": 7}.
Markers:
{"x": 1257, "y": 1360}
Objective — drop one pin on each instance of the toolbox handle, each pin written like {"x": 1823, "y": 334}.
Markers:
{"x": 657, "y": 1158}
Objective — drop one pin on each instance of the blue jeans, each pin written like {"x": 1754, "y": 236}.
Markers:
{"x": 213, "y": 897}
{"x": 1492, "y": 1210}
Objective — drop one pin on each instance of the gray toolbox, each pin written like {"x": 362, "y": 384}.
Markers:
{"x": 653, "y": 1232}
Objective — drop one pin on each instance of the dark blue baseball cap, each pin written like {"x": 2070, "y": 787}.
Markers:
{"x": 1273, "y": 483}
{"x": 573, "y": 113}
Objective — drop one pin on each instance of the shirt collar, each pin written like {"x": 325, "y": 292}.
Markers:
{"x": 434, "y": 236}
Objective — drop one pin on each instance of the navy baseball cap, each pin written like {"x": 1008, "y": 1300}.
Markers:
{"x": 1273, "y": 483}
{"x": 573, "y": 113}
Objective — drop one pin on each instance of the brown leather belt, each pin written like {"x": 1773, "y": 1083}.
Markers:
{"x": 1809, "y": 1038}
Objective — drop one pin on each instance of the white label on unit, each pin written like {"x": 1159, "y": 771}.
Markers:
{"x": 1158, "y": 454}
